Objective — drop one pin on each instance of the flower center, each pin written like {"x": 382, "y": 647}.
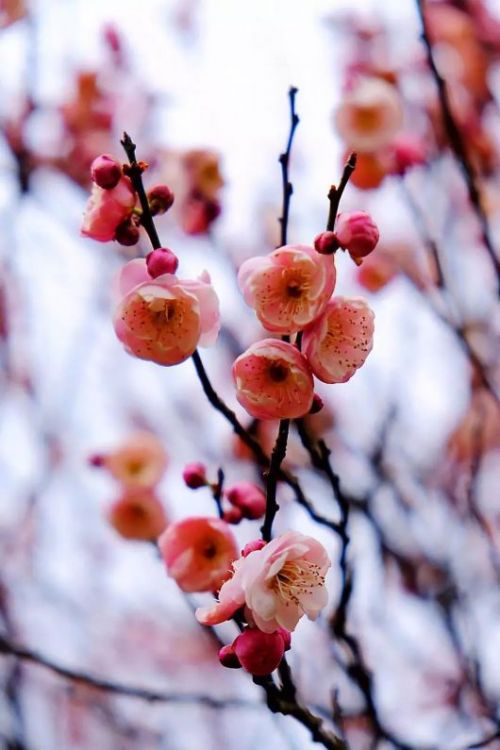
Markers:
{"x": 294, "y": 289}
{"x": 278, "y": 372}
{"x": 296, "y": 579}
{"x": 134, "y": 467}
{"x": 367, "y": 118}
{"x": 209, "y": 551}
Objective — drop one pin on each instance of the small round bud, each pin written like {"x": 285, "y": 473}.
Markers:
{"x": 232, "y": 515}
{"x": 259, "y": 653}
{"x": 195, "y": 476}
{"x": 160, "y": 261}
{"x": 317, "y": 404}
{"x": 228, "y": 658}
{"x": 253, "y": 546}
{"x": 97, "y": 460}
{"x": 326, "y": 243}
{"x": 160, "y": 199}
{"x": 287, "y": 638}
{"x": 357, "y": 233}
{"x": 105, "y": 172}
{"x": 249, "y": 498}
{"x": 127, "y": 233}
{"x": 408, "y": 152}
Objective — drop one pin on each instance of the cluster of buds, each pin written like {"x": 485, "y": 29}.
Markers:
{"x": 112, "y": 212}
{"x": 241, "y": 500}
{"x": 138, "y": 466}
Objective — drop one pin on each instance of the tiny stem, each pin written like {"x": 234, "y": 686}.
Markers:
{"x": 277, "y": 457}
{"x": 284, "y": 160}
{"x": 135, "y": 173}
{"x": 335, "y": 193}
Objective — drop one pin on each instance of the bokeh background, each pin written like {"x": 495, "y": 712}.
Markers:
{"x": 414, "y": 436}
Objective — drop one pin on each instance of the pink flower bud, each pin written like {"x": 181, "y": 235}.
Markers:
{"x": 106, "y": 172}
{"x": 287, "y": 637}
{"x": 232, "y": 515}
{"x": 97, "y": 460}
{"x": 160, "y": 261}
{"x": 259, "y": 653}
{"x": 252, "y": 547}
{"x": 228, "y": 658}
{"x": 326, "y": 243}
{"x": 160, "y": 199}
{"x": 194, "y": 475}
{"x": 127, "y": 233}
{"x": 317, "y": 404}
{"x": 408, "y": 152}
{"x": 249, "y": 498}
{"x": 357, "y": 233}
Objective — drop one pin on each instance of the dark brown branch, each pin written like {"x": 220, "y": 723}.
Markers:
{"x": 284, "y": 161}
{"x": 335, "y": 193}
{"x": 277, "y": 457}
{"x": 486, "y": 741}
{"x": 85, "y": 678}
{"x": 457, "y": 143}
{"x": 279, "y": 702}
{"x": 135, "y": 173}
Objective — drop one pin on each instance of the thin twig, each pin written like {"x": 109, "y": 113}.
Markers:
{"x": 130, "y": 691}
{"x": 335, "y": 193}
{"x": 135, "y": 173}
{"x": 284, "y": 160}
{"x": 277, "y": 457}
{"x": 457, "y": 143}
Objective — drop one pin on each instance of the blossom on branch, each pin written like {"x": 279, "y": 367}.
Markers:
{"x": 198, "y": 553}
{"x": 288, "y": 288}
{"x": 273, "y": 380}
{"x": 164, "y": 319}
{"x": 107, "y": 209}
{"x": 338, "y": 343}
{"x": 277, "y": 584}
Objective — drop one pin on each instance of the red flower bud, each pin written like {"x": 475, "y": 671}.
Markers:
{"x": 195, "y": 476}
{"x": 228, "y": 658}
{"x": 249, "y": 498}
{"x": 317, "y": 404}
{"x": 160, "y": 199}
{"x": 127, "y": 233}
{"x": 252, "y": 546}
{"x": 232, "y": 515}
{"x": 106, "y": 171}
{"x": 160, "y": 261}
{"x": 326, "y": 243}
{"x": 357, "y": 233}
{"x": 287, "y": 638}
{"x": 259, "y": 653}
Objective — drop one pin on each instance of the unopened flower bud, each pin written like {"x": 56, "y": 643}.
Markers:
{"x": 408, "y": 152}
{"x": 259, "y": 653}
{"x": 232, "y": 515}
{"x": 249, "y": 498}
{"x": 160, "y": 199}
{"x": 357, "y": 233}
{"x": 253, "y": 546}
{"x": 97, "y": 460}
{"x": 317, "y": 404}
{"x": 228, "y": 658}
{"x": 287, "y": 638}
{"x": 195, "y": 475}
{"x": 127, "y": 233}
{"x": 106, "y": 171}
{"x": 326, "y": 243}
{"x": 160, "y": 261}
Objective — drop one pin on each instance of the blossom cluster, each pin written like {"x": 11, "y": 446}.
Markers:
{"x": 311, "y": 333}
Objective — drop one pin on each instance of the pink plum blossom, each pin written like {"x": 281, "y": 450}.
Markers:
{"x": 288, "y": 288}
{"x": 106, "y": 209}
{"x": 166, "y": 318}
{"x": 138, "y": 514}
{"x": 369, "y": 115}
{"x": 273, "y": 380}
{"x": 139, "y": 462}
{"x": 198, "y": 553}
{"x": 338, "y": 342}
{"x": 277, "y": 584}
